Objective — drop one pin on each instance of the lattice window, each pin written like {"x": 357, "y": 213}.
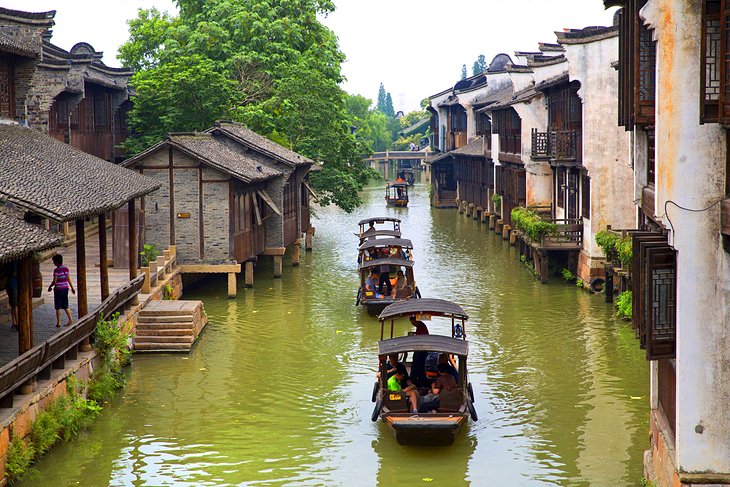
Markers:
{"x": 561, "y": 186}
{"x": 290, "y": 198}
{"x": 458, "y": 118}
{"x": 650, "y": 160}
{"x": 7, "y": 89}
{"x": 661, "y": 305}
{"x": 715, "y": 69}
{"x": 647, "y": 65}
{"x": 585, "y": 194}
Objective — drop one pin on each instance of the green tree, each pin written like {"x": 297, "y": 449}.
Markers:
{"x": 381, "y": 98}
{"x": 268, "y": 63}
{"x": 480, "y": 65}
{"x": 389, "y": 110}
{"x": 413, "y": 117}
{"x": 463, "y": 71}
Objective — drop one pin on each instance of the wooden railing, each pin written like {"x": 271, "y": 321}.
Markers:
{"x": 42, "y": 359}
{"x": 559, "y": 145}
{"x": 569, "y": 233}
{"x": 388, "y": 155}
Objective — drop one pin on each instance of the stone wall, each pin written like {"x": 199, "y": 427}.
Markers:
{"x": 216, "y": 223}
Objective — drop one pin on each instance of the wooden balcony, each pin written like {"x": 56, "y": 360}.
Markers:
{"x": 558, "y": 145}
{"x": 567, "y": 236}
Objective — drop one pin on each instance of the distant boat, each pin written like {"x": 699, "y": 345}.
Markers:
{"x": 396, "y": 194}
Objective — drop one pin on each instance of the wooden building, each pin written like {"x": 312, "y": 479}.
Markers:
{"x": 227, "y": 198}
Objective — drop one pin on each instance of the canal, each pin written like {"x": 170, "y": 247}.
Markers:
{"x": 277, "y": 391}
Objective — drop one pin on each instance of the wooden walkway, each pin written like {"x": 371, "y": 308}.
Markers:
{"x": 44, "y": 315}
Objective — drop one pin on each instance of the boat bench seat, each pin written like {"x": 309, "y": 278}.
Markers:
{"x": 396, "y": 401}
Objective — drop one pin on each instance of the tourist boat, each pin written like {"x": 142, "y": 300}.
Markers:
{"x": 392, "y": 407}
{"x": 407, "y": 175}
{"x": 379, "y": 226}
{"x": 396, "y": 194}
{"x": 375, "y": 301}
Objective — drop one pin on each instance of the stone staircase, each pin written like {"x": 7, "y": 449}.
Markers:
{"x": 169, "y": 326}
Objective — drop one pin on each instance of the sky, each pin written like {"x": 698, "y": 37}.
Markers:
{"x": 414, "y": 47}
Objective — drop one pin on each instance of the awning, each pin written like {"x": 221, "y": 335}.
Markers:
{"x": 432, "y": 306}
{"x": 424, "y": 343}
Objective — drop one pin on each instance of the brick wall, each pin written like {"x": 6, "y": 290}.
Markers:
{"x": 157, "y": 204}
{"x": 215, "y": 216}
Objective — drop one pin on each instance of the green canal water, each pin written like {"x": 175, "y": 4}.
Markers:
{"x": 277, "y": 390}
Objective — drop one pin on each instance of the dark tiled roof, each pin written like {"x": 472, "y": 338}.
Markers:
{"x": 589, "y": 34}
{"x": 260, "y": 143}
{"x": 475, "y": 148}
{"x": 55, "y": 180}
{"x": 554, "y": 81}
{"x": 539, "y": 61}
{"x": 206, "y": 148}
{"x": 20, "y": 239}
{"x": 442, "y": 156}
{"x": 45, "y": 17}
{"x": 525, "y": 95}
{"x": 416, "y": 126}
{"x": 498, "y": 99}
{"x": 223, "y": 157}
{"x": 425, "y": 305}
{"x": 13, "y": 46}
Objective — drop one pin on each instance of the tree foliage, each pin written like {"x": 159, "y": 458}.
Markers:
{"x": 480, "y": 65}
{"x": 268, "y": 63}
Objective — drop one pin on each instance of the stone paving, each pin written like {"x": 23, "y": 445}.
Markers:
{"x": 44, "y": 315}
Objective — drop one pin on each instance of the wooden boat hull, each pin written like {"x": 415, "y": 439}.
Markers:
{"x": 425, "y": 429}
{"x": 397, "y": 203}
{"x": 376, "y": 306}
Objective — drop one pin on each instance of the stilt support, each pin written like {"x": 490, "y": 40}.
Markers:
{"x": 248, "y": 274}
{"x": 296, "y": 253}
{"x": 492, "y": 221}
{"x": 498, "y": 226}
{"x": 505, "y": 232}
{"x": 308, "y": 238}
{"x": 231, "y": 284}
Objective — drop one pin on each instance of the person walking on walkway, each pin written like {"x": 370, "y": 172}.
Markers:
{"x": 60, "y": 285}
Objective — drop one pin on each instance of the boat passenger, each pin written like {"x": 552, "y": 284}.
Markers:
{"x": 421, "y": 328}
{"x": 448, "y": 360}
{"x": 400, "y": 283}
{"x": 445, "y": 382}
{"x": 371, "y": 284}
{"x": 384, "y": 275}
{"x": 401, "y": 382}
{"x": 390, "y": 365}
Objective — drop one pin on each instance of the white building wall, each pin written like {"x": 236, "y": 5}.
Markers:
{"x": 605, "y": 144}
{"x": 690, "y": 172}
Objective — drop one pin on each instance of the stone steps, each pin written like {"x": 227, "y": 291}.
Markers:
{"x": 169, "y": 326}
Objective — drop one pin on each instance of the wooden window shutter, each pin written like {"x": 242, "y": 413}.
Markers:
{"x": 713, "y": 41}
{"x": 661, "y": 298}
{"x": 585, "y": 194}
{"x": 638, "y": 280}
{"x": 645, "y": 70}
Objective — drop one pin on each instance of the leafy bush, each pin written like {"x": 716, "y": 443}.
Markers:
{"x": 531, "y": 224}
{"x": 567, "y": 275}
{"x": 623, "y": 305}
{"x": 18, "y": 463}
{"x": 46, "y": 429}
{"x": 148, "y": 254}
{"x": 167, "y": 292}
{"x": 579, "y": 282}
{"x": 111, "y": 343}
{"x": 497, "y": 200}
{"x": 616, "y": 247}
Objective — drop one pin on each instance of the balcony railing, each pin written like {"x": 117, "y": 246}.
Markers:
{"x": 568, "y": 234}
{"x": 558, "y": 145}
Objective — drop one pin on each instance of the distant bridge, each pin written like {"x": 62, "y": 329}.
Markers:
{"x": 388, "y": 156}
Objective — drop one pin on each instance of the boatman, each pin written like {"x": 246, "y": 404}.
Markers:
{"x": 421, "y": 328}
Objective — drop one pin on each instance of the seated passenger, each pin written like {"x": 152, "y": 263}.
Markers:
{"x": 448, "y": 360}
{"x": 371, "y": 284}
{"x": 400, "y": 282}
{"x": 390, "y": 365}
{"x": 400, "y": 382}
{"x": 421, "y": 328}
{"x": 445, "y": 382}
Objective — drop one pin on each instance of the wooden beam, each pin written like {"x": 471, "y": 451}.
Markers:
{"x": 103, "y": 258}
{"x": 25, "y": 305}
{"x": 265, "y": 196}
{"x": 209, "y": 268}
{"x": 201, "y": 219}
{"x": 256, "y": 211}
{"x": 81, "y": 291}
{"x": 132, "y": 218}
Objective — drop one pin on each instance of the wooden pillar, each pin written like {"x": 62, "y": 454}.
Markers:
{"x": 512, "y": 238}
{"x": 278, "y": 265}
{"x": 231, "y": 284}
{"x": 498, "y": 226}
{"x": 81, "y": 291}
{"x": 505, "y": 232}
{"x": 132, "y": 218}
{"x": 492, "y": 221}
{"x": 103, "y": 258}
{"x": 484, "y": 216}
{"x": 248, "y": 274}
{"x": 609, "y": 286}
{"x": 296, "y": 253}
{"x": 25, "y": 305}
{"x": 308, "y": 238}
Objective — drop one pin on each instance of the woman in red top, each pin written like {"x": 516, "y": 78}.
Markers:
{"x": 60, "y": 285}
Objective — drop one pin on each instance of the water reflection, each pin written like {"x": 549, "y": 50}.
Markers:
{"x": 277, "y": 391}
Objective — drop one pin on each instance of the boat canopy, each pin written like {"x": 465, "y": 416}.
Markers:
{"x": 431, "y": 306}
{"x": 397, "y": 184}
{"x": 386, "y": 242}
{"x": 379, "y": 233}
{"x": 389, "y": 261}
{"x": 379, "y": 219}
{"x": 424, "y": 343}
